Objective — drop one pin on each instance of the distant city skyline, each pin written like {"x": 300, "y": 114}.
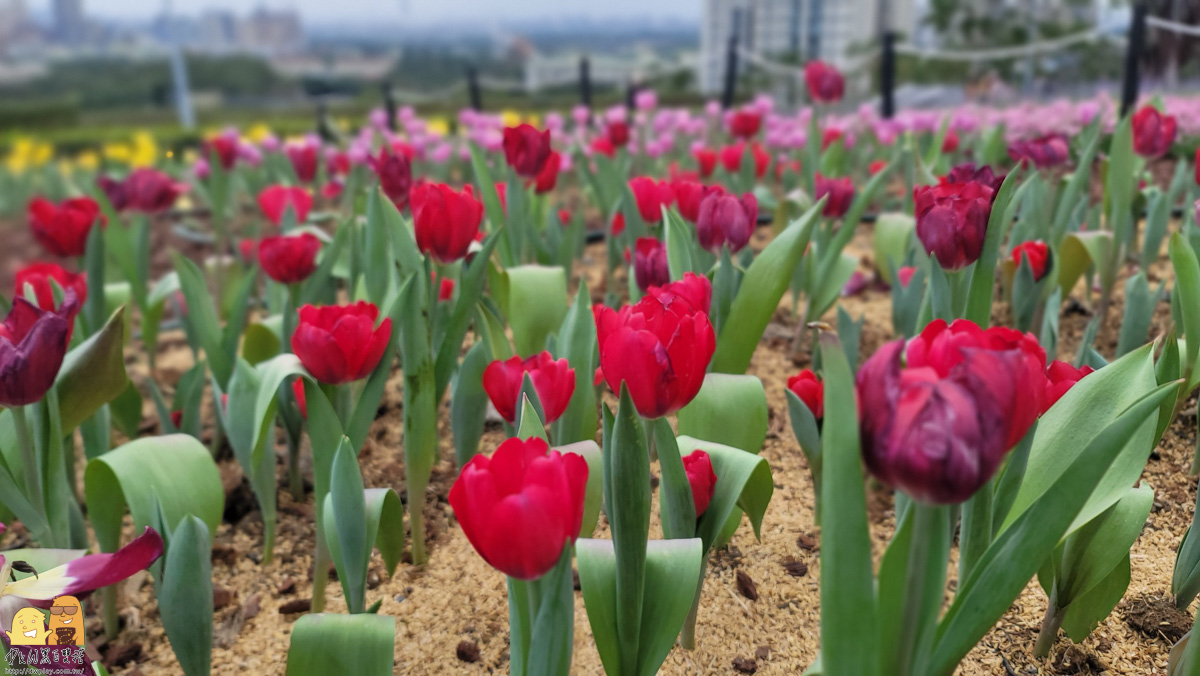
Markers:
{"x": 407, "y": 11}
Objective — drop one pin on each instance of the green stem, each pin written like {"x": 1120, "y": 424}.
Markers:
{"x": 321, "y": 562}
{"x": 1050, "y": 624}
{"x": 33, "y": 474}
{"x": 687, "y": 638}
{"x": 926, "y": 519}
{"x": 295, "y": 481}
{"x": 290, "y": 315}
{"x": 112, "y": 621}
{"x": 976, "y": 530}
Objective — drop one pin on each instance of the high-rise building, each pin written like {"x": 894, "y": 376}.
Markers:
{"x": 806, "y": 29}
{"x": 69, "y": 21}
{"x": 13, "y": 16}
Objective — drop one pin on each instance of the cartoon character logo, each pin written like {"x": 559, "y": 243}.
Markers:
{"x": 28, "y": 628}
{"x": 66, "y": 622}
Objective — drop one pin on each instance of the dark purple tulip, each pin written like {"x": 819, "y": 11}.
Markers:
{"x": 1042, "y": 152}
{"x": 952, "y": 221}
{"x": 841, "y": 194}
{"x": 726, "y": 220}
{"x": 32, "y": 345}
{"x": 650, "y": 263}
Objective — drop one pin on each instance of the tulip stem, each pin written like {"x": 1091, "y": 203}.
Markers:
{"x": 295, "y": 481}
{"x": 928, "y": 528}
{"x": 33, "y": 474}
{"x": 321, "y": 561}
{"x": 1050, "y": 624}
{"x": 289, "y": 316}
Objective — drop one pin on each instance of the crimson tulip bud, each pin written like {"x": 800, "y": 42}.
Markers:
{"x": 521, "y": 506}
{"x": 809, "y": 388}
{"x": 904, "y": 274}
{"x": 726, "y": 220}
{"x": 1042, "y": 152}
{"x": 303, "y": 157}
{"x": 225, "y": 147}
{"x": 289, "y": 259}
{"x": 940, "y": 433}
{"x": 650, "y": 263}
{"x": 33, "y": 343}
{"x": 38, "y": 276}
{"x": 1153, "y": 132}
{"x": 689, "y": 195}
{"x": 275, "y": 200}
{"x": 950, "y": 142}
{"x": 340, "y": 343}
{"x": 144, "y": 189}
{"x": 547, "y": 178}
{"x": 1037, "y": 253}
{"x": 731, "y": 158}
{"x": 177, "y": 418}
{"x": 526, "y": 149}
{"x": 952, "y": 221}
{"x": 706, "y": 160}
{"x": 1061, "y": 377}
{"x": 553, "y": 380}
{"x": 966, "y": 172}
{"x": 825, "y": 83}
{"x": 445, "y": 221}
{"x": 703, "y": 481}
{"x": 651, "y": 196}
{"x": 395, "y": 176}
{"x": 617, "y": 134}
{"x": 840, "y": 192}
{"x": 301, "y": 398}
{"x": 63, "y": 229}
{"x": 660, "y": 347}
{"x": 745, "y": 123}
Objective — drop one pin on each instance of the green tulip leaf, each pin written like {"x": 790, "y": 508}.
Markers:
{"x": 892, "y": 239}
{"x": 593, "y": 496}
{"x": 1088, "y": 611}
{"x": 93, "y": 373}
{"x": 326, "y": 643}
{"x": 576, "y": 342}
{"x": 534, "y": 300}
{"x": 730, "y": 410}
{"x": 185, "y": 596}
{"x": 468, "y": 403}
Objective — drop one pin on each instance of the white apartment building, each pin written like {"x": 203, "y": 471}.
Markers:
{"x": 821, "y": 29}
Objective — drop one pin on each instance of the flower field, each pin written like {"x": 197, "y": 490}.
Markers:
{"x": 629, "y": 391}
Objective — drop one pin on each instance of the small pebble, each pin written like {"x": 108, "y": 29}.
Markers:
{"x": 746, "y": 586}
{"x": 467, "y": 651}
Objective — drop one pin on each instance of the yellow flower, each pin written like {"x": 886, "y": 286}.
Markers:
{"x": 534, "y": 119}
{"x": 145, "y": 150}
{"x": 258, "y": 133}
{"x": 438, "y": 126}
{"x": 42, "y": 153}
{"x": 510, "y": 118}
{"x": 88, "y": 160}
{"x": 117, "y": 152}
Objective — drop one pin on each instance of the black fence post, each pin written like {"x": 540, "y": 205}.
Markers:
{"x": 389, "y": 105}
{"x": 887, "y": 76}
{"x": 473, "y": 89}
{"x": 585, "y": 82}
{"x": 631, "y": 90}
{"x": 1133, "y": 57}
{"x": 731, "y": 67}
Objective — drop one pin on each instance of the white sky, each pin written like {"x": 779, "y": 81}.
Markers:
{"x": 419, "y": 11}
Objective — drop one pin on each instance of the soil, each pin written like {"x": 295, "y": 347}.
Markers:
{"x": 759, "y": 611}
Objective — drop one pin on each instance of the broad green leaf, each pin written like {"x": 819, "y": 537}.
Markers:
{"x": 576, "y": 341}
{"x": 916, "y": 578}
{"x": 675, "y": 501}
{"x": 377, "y": 251}
{"x": 1081, "y": 250}
{"x": 829, "y": 286}
{"x": 849, "y": 620}
{"x": 1063, "y": 432}
{"x": 93, "y": 309}
{"x": 185, "y": 596}
{"x": 762, "y": 288}
{"x": 1185, "y": 657}
{"x": 202, "y": 316}
{"x": 1120, "y": 184}
{"x": 1091, "y": 552}
{"x": 892, "y": 237}
{"x": 629, "y": 519}
{"x": 979, "y": 299}
{"x": 678, "y": 236}
{"x": 260, "y": 342}
{"x": 93, "y": 373}
{"x": 174, "y": 471}
{"x": 743, "y": 481}
{"x": 1187, "y": 288}
{"x": 1139, "y": 310}
{"x": 326, "y": 643}
{"x": 593, "y": 496}
{"x": 1023, "y": 546}
{"x": 730, "y": 410}
{"x": 535, "y": 302}
{"x": 468, "y": 404}
{"x": 529, "y": 420}
{"x": 553, "y": 627}
{"x": 126, "y": 411}
{"x": 1088, "y": 611}
{"x": 470, "y": 287}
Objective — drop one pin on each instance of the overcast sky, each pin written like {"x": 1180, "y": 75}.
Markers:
{"x": 420, "y": 11}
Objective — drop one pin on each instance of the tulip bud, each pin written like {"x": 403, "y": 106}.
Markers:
{"x": 689, "y": 194}
{"x": 651, "y": 196}
{"x": 303, "y": 157}
{"x": 952, "y": 221}
{"x": 617, "y": 134}
{"x": 1037, "y": 253}
{"x": 395, "y": 176}
{"x": 706, "y": 160}
{"x": 840, "y": 192}
{"x": 554, "y": 382}
{"x": 726, "y": 220}
{"x": 275, "y": 200}
{"x": 146, "y": 190}
{"x": 744, "y": 123}
{"x": 650, "y": 263}
{"x": 1061, "y": 377}
{"x": 809, "y": 388}
{"x": 521, "y": 506}
{"x": 701, "y": 478}
{"x": 445, "y": 221}
{"x": 33, "y": 343}
{"x": 526, "y": 149}
{"x": 1153, "y": 132}
{"x": 1042, "y": 152}
{"x": 38, "y": 276}
{"x": 825, "y": 83}
{"x": 340, "y": 343}
{"x": 289, "y": 259}
{"x": 63, "y": 229}
{"x": 904, "y": 274}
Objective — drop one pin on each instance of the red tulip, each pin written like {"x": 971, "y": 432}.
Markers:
{"x": 547, "y": 178}
{"x": 564, "y": 217}
{"x": 445, "y": 288}
{"x": 701, "y": 478}
{"x": 618, "y": 224}
{"x": 706, "y": 160}
{"x": 876, "y": 166}
{"x": 617, "y": 134}
{"x": 144, "y": 189}
{"x": 522, "y": 506}
{"x": 603, "y": 146}
{"x": 301, "y": 398}
{"x": 659, "y": 347}
{"x": 224, "y": 146}
{"x": 811, "y": 391}
{"x": 63, "y": 229}
{"x": 248, "y": 248}
{"x": 1060, "y": 377}
{"x": 825, "y": 83}
{"x": 1196, "y": 164}
{"x": 840, "y": 192}
{"x": 38, "y": 276}
{"x": 395, "y": 176}
{"x": 275, "y": 200}
{"x": 289, "y": 259}
{"x": 744, "y": 123}
{"x": 689, "y": 195}
{"x": 950, "y": 142}
{"x": 553, "y": 380}
{"x": 1153, "y": 132}
{"x": 939, "y": 428}
{"x": 445, "y": 221}
{"x": 340, "y": 343}
{"x": 1037, "y": 253}
{"x": 905, "y": 274}
{"x": 32, "y": 345}
{"x": 333, "y": 189}
{"x": 726, "y": 220}
{"x": 303, "y": 157}
{"x": 337, "y": 163}
{"x": 829, "y": 136}
{"x": 526, "y": 149}
{"x": 650, "y": 263}
{"x": 1041, "y": 152}
{"x": 177, "y": 418}
{"x": 952, "y": 221}
{"x": 651, "y": 196}
{"x": 731, "y": 158}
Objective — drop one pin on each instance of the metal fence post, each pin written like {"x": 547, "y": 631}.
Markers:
{"x": 389, "y": 105}
{"x": 1133, "y": 57}
{"x": 731, "y": 67}
{"x": 585, "y": 82}
{"x": 473, "y": 89}
{"x": 887, "y": 76}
